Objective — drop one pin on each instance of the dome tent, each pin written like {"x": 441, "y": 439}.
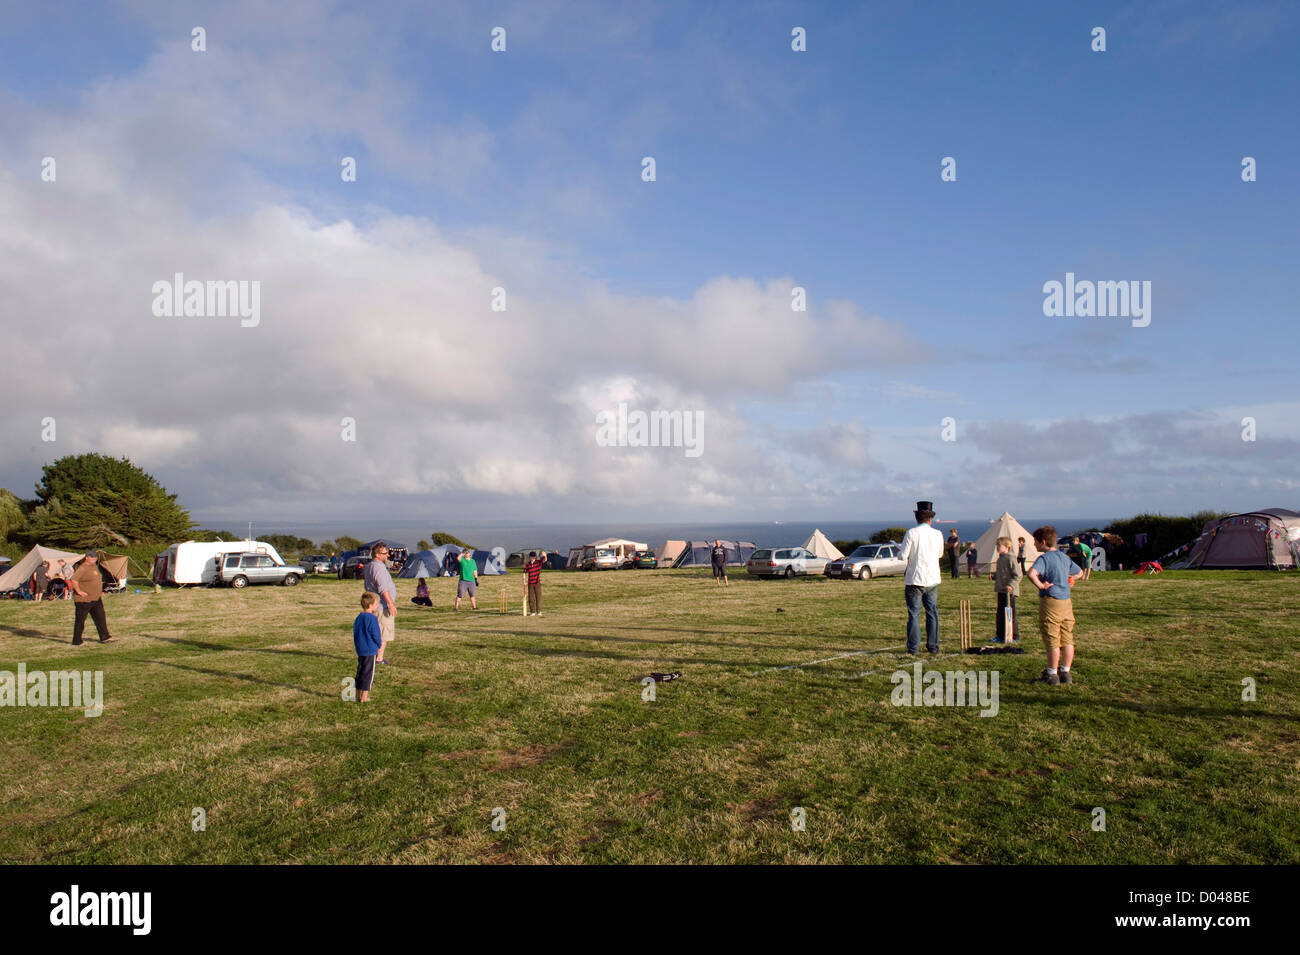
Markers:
{"x": 1260, "y": 540}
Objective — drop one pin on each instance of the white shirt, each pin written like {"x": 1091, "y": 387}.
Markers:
{"x": 922, "y": 549}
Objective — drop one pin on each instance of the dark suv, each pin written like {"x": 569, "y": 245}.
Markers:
{"x": 240, "y": 570}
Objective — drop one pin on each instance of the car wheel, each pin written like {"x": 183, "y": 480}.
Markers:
{"x": 239, "y": 582}
{"x": 789, "y": 572}
{"x": 865, "y": 574}
{"x": 291, "y": 580}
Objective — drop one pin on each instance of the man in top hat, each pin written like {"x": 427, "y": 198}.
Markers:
{"x": 922, "y": 550}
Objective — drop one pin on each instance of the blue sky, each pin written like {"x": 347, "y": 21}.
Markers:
{"x": 774, "y": 168}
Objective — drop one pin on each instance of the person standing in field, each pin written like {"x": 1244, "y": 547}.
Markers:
{"x": 1020, "y": 556}
{"x": 1054, "y": 574}
{"x": 1006, "y": 584}
{"x": 467, "y": 586}
{"x": 379, "y": 581}
{"x": 533, "y": 571}
{"x": 972, "y": 558}
{"x": 367, "y": 641}
{"x": 954, "y": 551}
{"x": 718, "y": 557}
{"x": 922, "y": 551}
{"x": 41, "y": 580}
{"x": 89, "y": 589}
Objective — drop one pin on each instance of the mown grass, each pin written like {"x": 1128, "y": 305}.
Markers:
{"x": 231, "y": 701}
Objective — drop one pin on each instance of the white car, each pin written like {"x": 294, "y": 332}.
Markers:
{"x": 784, "y": 562}
{"x": 869, "y": 560}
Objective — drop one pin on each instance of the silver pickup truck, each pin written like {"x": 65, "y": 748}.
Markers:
{"x": 240, "y": 570}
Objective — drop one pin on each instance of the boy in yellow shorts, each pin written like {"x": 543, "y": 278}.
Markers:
{"x": 1054, "y": 574}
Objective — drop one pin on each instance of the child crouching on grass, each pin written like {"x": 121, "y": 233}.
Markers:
{"x": 366, "y": 639}
{"x": 421, "y": 598}
{"x": 1054, "y": 574}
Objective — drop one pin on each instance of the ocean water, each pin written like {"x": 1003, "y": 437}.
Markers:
{"x": 517, "y": 536}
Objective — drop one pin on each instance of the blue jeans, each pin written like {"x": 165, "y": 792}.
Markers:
{"x": 915, "y": 597}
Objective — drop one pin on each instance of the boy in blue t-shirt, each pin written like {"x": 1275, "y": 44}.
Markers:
{"x": 1054, "y": 574}
{"x": 367, "y": 640}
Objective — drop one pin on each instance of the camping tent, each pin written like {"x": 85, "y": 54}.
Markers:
{"x": 428, "y": 563}
{"x": 113, "y": 568}
{"x": 520, "y": 557}
{"x": 818, "y": 544}
{"x": 1268, "y": 539}
{"x": 986, "y": 549}
{"x": 575, "y": 559}
{"x": 422, "y": 564}
{"x": 21, "y": 572}
{"x": 700, "y": 553}
{"x": 195, "y": 562}
{"x": 669, "y": 552}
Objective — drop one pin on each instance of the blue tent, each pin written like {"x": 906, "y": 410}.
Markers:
{"x": 428, "y": 563}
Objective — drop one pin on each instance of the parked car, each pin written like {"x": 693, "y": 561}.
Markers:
{"x": 644, "y": 560}
{"x": 601, "y": 559}
{"x": 784, "y": 562}
{"x": 315, "y": 564}
{"x": 240, "y": 570}
{"x": 867, "y": 561}
{"x": 353, "y": 568}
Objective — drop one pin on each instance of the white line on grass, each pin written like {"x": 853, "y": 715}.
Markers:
{"x": 813, "y": 663}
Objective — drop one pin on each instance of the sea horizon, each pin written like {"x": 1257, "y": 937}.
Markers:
{"x": 560, "y": 536}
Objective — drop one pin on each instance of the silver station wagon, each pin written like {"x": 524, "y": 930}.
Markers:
{"x": 869, "y": 560}
{"x": 784, "y": 562}
{"x": 240, "y": 570}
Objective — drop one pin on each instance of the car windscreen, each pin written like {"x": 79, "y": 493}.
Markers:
{"x": 864, "y": 553}
{"x": 760, "y": 555}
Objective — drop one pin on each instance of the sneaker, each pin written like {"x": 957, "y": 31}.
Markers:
{"x": 107, "y": 640}
{"x": 1065, "y": 677}
{"x": 1051, "y": 678}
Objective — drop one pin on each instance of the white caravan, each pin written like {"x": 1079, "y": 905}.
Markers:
{"x": 195, "y": 562}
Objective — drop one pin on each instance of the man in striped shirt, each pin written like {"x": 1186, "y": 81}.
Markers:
{"x": 533, "y": 571}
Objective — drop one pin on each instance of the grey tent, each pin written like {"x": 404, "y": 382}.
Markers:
{"x": 700, "y": 553}
{"x": 1261, "y": 540}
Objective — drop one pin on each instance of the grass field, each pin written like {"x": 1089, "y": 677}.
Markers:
{"x": 231, "y": 701}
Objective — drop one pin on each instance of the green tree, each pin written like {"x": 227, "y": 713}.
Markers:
{"x": 347, "y": 543}
{"x": 288, "y": 543}
{"x": 13, "y": 521}
{"x": 442, "y": 537}
{"x": 423, "y": 545}
{"x": 88, "y": 500}
{"x": 888, "y": 534}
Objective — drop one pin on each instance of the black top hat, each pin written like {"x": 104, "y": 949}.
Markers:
{"x": 925, "y": 506}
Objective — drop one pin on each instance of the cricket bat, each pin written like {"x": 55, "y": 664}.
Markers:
{"x": 525, "y": 596}
{"x": 1008, "y": 631}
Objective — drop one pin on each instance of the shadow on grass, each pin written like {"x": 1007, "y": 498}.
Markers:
{"x": 204, "y": 645}
{"x": 647, "y": 641}
{"x": 246, "y": 677}
{"x": 33, "y": 634}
